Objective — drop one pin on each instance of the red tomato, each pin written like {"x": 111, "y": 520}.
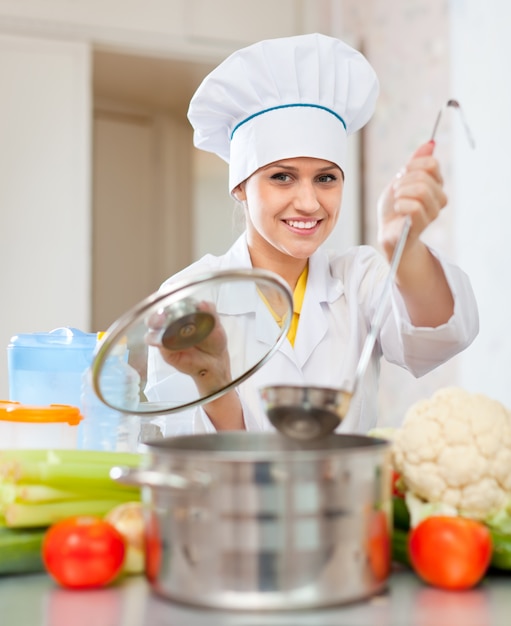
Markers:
{"x": 83, "y": 552}
{"x": 450, "y": 552}
{"x": 153, "y": 549}
{"x": 379, "y": 546}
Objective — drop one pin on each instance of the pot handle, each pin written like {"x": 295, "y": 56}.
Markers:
{"x": 150, "y": 478}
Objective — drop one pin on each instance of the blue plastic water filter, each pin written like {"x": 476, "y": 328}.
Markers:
{"x": 47, "y": 367}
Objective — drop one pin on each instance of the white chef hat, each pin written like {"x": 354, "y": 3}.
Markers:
{"x": 283, "y": 98}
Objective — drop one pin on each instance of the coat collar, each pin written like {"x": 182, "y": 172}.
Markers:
{"x": 322, "y": 289}
{"x": 327, "y": 288}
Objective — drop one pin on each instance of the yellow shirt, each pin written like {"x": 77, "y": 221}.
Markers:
{"x": 298, "y": 296}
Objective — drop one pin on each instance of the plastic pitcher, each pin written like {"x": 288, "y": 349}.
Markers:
{"x": 47, "y": 368}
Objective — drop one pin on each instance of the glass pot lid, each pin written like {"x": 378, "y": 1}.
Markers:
{"x": 194, "y": 341}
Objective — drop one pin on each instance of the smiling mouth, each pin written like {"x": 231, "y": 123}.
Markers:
{"x": 302, "y": 225}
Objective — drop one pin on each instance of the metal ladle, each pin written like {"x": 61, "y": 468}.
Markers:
{"x": 456, "y": 105}
{"x": 307, "y": 413}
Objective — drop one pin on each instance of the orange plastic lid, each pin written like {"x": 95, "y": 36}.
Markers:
{"x": 17, "y": 412}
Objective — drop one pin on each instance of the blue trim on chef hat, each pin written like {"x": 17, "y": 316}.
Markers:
{"x": 287, "y": 106}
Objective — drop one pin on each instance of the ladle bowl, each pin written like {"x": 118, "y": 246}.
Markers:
{"x": 305, "y": 413}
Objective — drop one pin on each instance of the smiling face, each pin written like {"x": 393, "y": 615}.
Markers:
{"x": 291, "y": 207}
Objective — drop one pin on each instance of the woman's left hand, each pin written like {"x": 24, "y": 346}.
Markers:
{"x": 417, "y": 190}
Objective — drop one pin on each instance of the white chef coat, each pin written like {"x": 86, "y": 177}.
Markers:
{"x": 342, "y": 293}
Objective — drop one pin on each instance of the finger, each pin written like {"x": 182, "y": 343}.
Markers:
{"x": 207, "y": 307}
{"x": 416, "y": 198}
{"x": 157, "y": 320}
{"x": 418, "y": 165}
{"x": 423, "y": 189}
{"x": 153, "y": 338}
{"x": 421, "y": 168}
{"x": 421, "y": 215}
{"x": 426, "y": 149}
{"x": 422, "y": 212}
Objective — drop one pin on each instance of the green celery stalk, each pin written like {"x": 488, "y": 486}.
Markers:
{"x": 33, "y": 494}
{"x": 7, "y": 494}
{"x": 40, "y": 466}
{"x": 63, "y": 475}
{"x": 37, "y": 515}
{"x": 40, "y": 487}
{"x": 71, "y": 456}
{"x": 20, "y": 550}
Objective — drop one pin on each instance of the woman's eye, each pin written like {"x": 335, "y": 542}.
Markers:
{"x": 280, "y": 176}
{"x": 327, "y": 178}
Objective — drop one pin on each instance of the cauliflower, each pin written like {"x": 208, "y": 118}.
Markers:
{"x": 454, "y": 450}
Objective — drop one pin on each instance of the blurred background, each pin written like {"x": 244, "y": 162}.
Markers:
{"x": 102, "y": 195}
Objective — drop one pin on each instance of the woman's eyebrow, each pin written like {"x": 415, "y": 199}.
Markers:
{"x": 329, "y": 168}
{"x": 280, "y": 166}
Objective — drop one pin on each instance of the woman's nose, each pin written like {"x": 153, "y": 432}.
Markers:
{"x": 306, "y": 198}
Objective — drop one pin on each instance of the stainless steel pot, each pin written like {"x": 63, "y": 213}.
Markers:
{"x": 258, "y": 521}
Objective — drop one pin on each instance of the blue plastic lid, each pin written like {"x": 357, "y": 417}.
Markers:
{"x": 69, "y": 337}
{"x": 61, "y": 350}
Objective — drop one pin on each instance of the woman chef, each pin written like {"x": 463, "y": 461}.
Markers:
{"x": 279, "y": 112}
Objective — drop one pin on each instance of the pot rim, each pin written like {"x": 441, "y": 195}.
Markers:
{"x": 245, "y": 446}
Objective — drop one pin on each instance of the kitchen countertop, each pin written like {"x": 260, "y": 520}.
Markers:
{"x": 34, "y": 600}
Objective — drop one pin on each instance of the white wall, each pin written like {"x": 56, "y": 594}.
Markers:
{"x": 481, "y": 53}
{"x": 190, "y": 29}
{"x": 44, "y": 188}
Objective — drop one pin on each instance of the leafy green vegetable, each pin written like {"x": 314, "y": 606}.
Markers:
{"x": 400, "y": 546}
{"x": 501, "y": 555}
{"x": 400, "y": 513}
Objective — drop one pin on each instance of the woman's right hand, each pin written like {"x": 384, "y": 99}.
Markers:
{"x": 206, "y": 362}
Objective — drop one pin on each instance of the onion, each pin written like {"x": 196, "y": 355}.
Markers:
{"x": 128, "y": 519}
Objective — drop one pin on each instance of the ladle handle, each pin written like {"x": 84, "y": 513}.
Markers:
{"x": 367, "y": 349}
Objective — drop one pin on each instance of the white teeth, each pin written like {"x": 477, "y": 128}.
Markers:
{"x": 302, "y": 225}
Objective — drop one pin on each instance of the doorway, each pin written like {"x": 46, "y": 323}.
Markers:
{"x": 143, "y": 225}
